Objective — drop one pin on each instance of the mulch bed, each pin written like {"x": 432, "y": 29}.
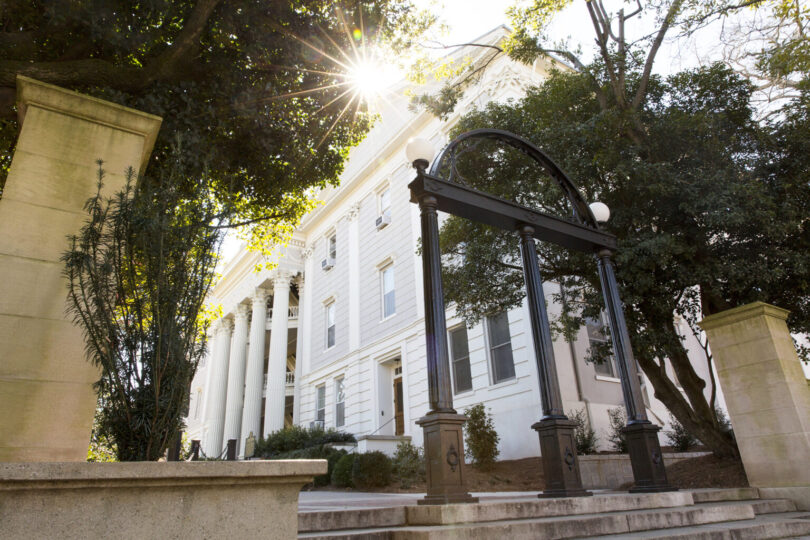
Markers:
{"x": 707, "y": 472}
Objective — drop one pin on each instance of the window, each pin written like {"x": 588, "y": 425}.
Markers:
{"x": 320, "y": 405}
{"x": 596, "y": 337}
{"x": 389, "y": 306}
{"x": 500, "y": 348}
{"x": 330, "y": 324}
{"x": 385, "y": 203}
{"x": 460, "y": 355}
{"x": 340, "y": 403}
{"x": 331, "y": 247}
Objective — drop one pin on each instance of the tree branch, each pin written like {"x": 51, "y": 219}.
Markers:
{"x": 673, "y": 10}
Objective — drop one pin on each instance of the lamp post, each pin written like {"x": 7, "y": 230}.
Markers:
{"x": 442, "y": 425}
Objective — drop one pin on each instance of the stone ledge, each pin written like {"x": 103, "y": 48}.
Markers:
{"x": 35, "y": 476}
{"x": 742, "y": 313}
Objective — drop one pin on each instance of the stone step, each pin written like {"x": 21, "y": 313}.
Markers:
{"x": 489, "y": 511}
{"x": 785, "y": 525}
{"x": 724, "y": 494}
{"x": 567, "y": 526}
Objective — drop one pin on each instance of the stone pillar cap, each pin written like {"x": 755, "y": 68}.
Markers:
{"x": 57, "y": 99}
{"x": 741, "y": 313}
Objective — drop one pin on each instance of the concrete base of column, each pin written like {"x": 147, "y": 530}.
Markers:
{"x": 649, "y": 471}
{"x": 560, "y": 464}
{"x": 444, "y": 456}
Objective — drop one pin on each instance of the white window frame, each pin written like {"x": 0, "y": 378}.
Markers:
{"x": 320, "y": 403}
{"x": 454, "y": 359}
{"x": 329, "y": 305}
{"x": 340, "y": 401}
{"x": 331, "y": 245}
{"x": 610, "y": 363}
{"x": 491, "y": 346}
{"x": 381, "y": 210}
{"x": 385, "y": 267}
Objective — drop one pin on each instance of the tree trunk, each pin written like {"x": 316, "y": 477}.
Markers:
{"x": 694, "y": 414}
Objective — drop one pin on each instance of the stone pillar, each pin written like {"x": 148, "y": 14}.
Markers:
{"x": 277, "y": 366}
{"x": 215, "y": 409}
{"x": 46, "y": 382}
{"x": 254, "y": 374}
{"x": 299, "y": 348}
{"x": 767, "y": 396}
{"x": 236, "y": 377}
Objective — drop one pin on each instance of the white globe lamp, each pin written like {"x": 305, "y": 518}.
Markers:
{"x": 419, "y": 152}
{"x": 600, "y": 211}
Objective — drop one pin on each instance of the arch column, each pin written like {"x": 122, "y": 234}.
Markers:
{"x": 236, "y": 376}
{"x": 254, "y": 372}
{"x": 277, "y": 366}
{"x": 215, "y": 408}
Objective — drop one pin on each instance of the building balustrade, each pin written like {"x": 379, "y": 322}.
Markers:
{"x": 292, "y": 313}
{"x": 289, "y": 380}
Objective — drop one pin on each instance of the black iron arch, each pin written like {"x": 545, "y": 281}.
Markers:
{"x": 448, "y": 154}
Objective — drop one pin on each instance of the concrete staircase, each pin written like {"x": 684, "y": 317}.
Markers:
{"x": 710, "y": 514}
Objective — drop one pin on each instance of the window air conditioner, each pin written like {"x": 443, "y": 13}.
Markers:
{"x": 382, "y": 221}
{"x": 327, "y": 263}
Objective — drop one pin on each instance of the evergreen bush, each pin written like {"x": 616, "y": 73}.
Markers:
{"x": 409, "y": 464}
{"x": 298, "y": 438}
{"x": 678, "y": 436}
{"x": 618, "y": 419}
{"x": 342, "y": 472}
{"x": 584, "y": 435}
{"x": 372, "y": 469}
{"x": 480, "y": 437}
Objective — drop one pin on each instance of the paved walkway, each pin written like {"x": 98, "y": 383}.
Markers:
{"x": 321, "y": 501}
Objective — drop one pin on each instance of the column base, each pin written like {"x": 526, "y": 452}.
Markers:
{"x": 649, "y": 471}
{"x": 444, "y": 457}
{"x": 560, "y": 463}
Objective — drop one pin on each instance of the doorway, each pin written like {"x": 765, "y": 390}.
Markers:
{"x": 399, "y": 404}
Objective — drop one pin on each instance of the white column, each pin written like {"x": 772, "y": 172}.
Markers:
{"x": 236, "y": 376}
{"x": 299, "y": 348}
{"x": 277, "y": 366}
{"x": 354, "y": 278}
{"x": 215, "y": 409}
{"x": 254, "y": 373}
{"x": 309, "y": 273}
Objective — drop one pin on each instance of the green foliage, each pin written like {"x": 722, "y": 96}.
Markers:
{"x": 408, "y": 464}
{"x": 372, "y": 469}
{"x": 101, "y": 449}
{"x": 342, "y": 472}
{"x": 480, "y": 437}
{"x": 709, "y": 208}
{"x": 584, "y": 435}
{"x": 294, "y": 438}
{"x": 138, "y": 273}
{"x": 257, "y": 85}
{"x": 678, "y": 436}
{"x": 618, "y": 419}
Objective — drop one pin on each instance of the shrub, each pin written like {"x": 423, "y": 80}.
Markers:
{"x": 480, "y": 437}
{"x": 342, "y": 473}
{"x": 372, "y": 469}
{"x": 297, "y": 438}
{"x": 331, "y": 455}
{"x": 618, "y": 419}
{"x": 408, "y": 464}
{"x": 584, "y": 435}
{"x": 679, "y": 437}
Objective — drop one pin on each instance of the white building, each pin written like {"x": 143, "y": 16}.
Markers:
{"x": 335, "y": 334}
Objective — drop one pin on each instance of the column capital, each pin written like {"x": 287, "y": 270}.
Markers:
{"x": 260, "y": 295}
{"x": 353, "y": 212}
{"x": 307, "y": 252}
{"x": 299, "y": 281}
{"x": 282, "y": 280}
{"x": 225, "y": 325}
{"x": 242, "y": 312}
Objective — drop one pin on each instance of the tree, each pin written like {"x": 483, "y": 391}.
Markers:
{"x": 138, "y": 274}
{"x": 706, "y": 216}
{"x": 260, "y": 88}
